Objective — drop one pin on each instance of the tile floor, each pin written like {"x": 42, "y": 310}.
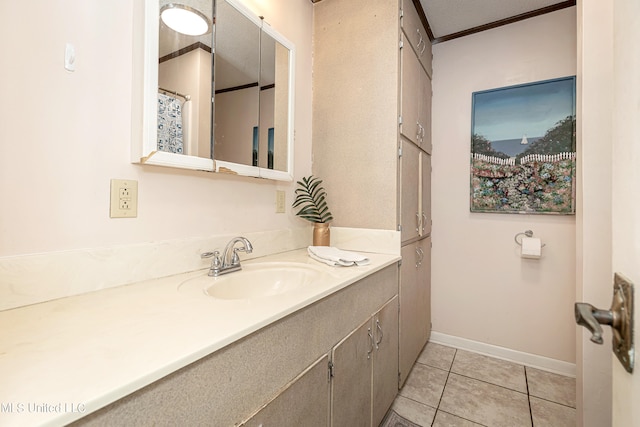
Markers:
{"x": 451, "y": 387}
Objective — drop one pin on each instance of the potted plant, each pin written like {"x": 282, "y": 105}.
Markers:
{"x": 310, "y": 197}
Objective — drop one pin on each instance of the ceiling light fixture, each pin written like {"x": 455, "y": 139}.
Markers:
{"x": 185, "y": 19}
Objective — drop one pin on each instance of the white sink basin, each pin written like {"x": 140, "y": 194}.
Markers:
{"x": 258, "y": 280}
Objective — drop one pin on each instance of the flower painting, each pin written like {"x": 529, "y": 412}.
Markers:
{"x": 523, "y": 148}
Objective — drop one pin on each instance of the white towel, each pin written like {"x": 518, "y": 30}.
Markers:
{"x": 336, "y": 257}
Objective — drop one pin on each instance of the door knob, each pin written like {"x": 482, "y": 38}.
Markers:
{"x": 619, "y": 317}
{"x": 591, "y": 318}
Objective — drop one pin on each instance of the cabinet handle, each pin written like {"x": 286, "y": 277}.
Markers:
{"x": 420, "y": 254}
{"x": 421, "y": 133}
{"x": 421, "y": 42}
{"x": 371, "y": 341}
{"x": 381, "y": 333}
{"x": 424, "y": 221}
{"x": 417, "y": 222}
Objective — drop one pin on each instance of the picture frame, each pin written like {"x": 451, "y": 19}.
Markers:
{"x": 523, "y": 148}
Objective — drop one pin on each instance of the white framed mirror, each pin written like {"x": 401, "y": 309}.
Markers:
{"x": 221, "y": 101}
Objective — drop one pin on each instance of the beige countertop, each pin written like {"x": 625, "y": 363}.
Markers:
{"x": 63, "y": 359}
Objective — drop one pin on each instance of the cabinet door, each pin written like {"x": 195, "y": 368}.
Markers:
{"x": 409, "y": 191}
{"x": 411, "y": 86}
{"x": 425, "y": 194}
{"x": 415, "y": 309}
{"x": 416, "y": 34}
{"x": 415, "y": 100}
{"x": 424, "y": 111}
{"x": 305, "y": 402}
{"x": 385, "y": 361}
{"x": 424, "y": 288}
{"x": 352, "y": 359}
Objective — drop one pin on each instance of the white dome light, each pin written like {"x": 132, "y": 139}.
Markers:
{"x": 184, "y": 19}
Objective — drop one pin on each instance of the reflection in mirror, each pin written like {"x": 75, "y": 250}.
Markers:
{"x": 184, "y": 78}
{"x": 274, "y": 96}
{"x": 246, "y": 127}
{"x": 253, "y": 102}
{"x": 237, "y": 92}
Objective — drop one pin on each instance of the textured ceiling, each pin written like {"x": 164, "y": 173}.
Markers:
{"x": 450, "y": 19}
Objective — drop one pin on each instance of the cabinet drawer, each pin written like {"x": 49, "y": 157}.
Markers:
{"x": 416, "y": 34}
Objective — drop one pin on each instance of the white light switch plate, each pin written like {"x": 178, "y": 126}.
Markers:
{"x": 70, "y": 57}
{"x": 280, "y": 201}
{"x": 124, "y": 198}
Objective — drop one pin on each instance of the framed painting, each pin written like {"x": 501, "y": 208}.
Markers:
{"x": 523, "y": 148}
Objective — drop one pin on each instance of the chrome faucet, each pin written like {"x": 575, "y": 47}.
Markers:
{"x": 222, "y": 264}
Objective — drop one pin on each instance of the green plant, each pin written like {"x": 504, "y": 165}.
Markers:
{"x": 310, "y": 196}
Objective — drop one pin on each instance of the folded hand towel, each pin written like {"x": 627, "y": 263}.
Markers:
{"x": 333, "y": 256}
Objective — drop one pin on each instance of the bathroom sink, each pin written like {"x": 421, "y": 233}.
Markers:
{"x": 259, "y": 280}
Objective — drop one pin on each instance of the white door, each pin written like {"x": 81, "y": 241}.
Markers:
{"x": 626, "y": 190}
{"x": 609, "y": 60}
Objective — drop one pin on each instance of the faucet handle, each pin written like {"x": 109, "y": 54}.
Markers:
{"x": 217, "y": 261}
{"x": 235, "y": 259}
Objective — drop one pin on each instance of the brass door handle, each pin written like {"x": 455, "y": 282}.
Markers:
{"x": 591, "y": 318}
{"x": 619, "y": 317}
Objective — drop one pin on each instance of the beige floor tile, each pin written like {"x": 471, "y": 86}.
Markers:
{"x": 494, "y": 371}
{"x": 413, "y": 411}
{"x": 485, "y": 403}
{"x": 425, "y": 384}
{"x": 549, "y": 414}
{"x": 438, "y": 356}
{"x": 444, "y": 419}
{"x": 553, "y": 387}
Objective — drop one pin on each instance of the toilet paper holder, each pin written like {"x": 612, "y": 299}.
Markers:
{"x": 527, "y": 233}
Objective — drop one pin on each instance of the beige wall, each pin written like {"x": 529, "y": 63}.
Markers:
{"x": 481, "y": 289}
{"x": 65, "y": 135}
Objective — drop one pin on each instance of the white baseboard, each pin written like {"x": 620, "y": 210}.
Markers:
{"x": 527, "y": 359}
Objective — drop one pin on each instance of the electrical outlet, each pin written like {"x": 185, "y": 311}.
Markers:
{"x": 280, "y": 201}
{"x": 124, "y": 193}
{"x": 124, "y": 198}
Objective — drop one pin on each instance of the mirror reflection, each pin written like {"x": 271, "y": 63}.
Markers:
{"x": 224, "y": 91}
{"x": 251, "y": 79}
{"x": 184, "y": 77}
{"x": 237, "y": 91}
{"x": 274, "y": 96}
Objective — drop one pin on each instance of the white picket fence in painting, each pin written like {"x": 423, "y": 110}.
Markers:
{"x": 548, "y": 158}
{"x": 511, "y": 161}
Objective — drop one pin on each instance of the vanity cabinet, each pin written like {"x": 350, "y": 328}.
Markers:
{"x": 385, "y": 360}
{"x": 277, "y": 376}
{"x": 415, "y": 302}
{"x": 364, "y": 374}
{"x": 302, "y": 403}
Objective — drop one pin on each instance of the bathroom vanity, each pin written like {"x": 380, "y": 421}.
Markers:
{"x": 164, "y": 352}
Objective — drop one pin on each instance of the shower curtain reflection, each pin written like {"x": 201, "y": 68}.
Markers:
{"x": 170, "y": 124}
